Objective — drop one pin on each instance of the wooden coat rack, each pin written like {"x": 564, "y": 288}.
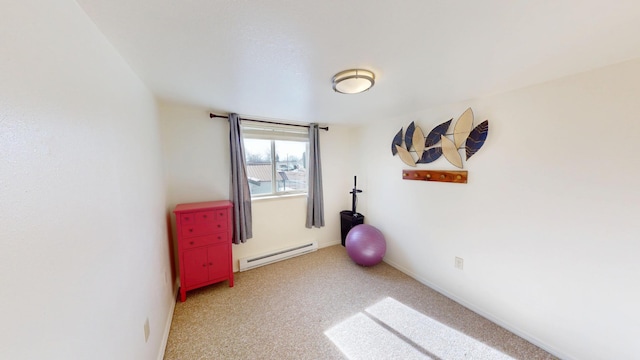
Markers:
{"x": 436, "y": 175}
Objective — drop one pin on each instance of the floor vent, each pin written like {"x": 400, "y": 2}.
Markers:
{"x": 255, "y": 261}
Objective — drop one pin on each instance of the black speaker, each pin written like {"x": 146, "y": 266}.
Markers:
{"x": 349, "y": 219}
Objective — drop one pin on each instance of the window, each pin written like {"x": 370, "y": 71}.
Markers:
{"x": 275, "y": 152}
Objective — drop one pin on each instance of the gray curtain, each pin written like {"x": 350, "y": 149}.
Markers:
{"x": 240, "y": 194}
{"x": 315, "y": 201}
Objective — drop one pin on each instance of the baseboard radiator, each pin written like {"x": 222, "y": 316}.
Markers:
{"x": 256, "y": 261}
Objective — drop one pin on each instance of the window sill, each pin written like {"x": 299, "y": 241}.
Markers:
{"x": 278, "y": 197}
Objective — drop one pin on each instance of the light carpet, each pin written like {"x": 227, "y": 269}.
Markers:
{"x": 323, "y": 306}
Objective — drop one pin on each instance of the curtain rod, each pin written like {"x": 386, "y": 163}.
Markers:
{"x": 212, "y": 115}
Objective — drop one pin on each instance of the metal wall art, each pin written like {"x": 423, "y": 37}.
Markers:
{"x": 415, "y": 148}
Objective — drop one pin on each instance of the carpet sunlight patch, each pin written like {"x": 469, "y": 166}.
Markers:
{"x": 389, "y": 330}
{"x": 360, "y": 337}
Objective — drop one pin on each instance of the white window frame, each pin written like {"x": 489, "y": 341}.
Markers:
{"x": 275, "y": 132}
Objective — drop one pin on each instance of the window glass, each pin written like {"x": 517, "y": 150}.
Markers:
{"x": 278, "y": 153}
{"x": 258, "y": 158}
{"x": 291, "y": 166}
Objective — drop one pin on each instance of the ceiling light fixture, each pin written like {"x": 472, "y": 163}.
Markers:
{"x": 353, "y": 81}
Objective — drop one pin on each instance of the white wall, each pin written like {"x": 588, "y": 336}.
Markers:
{"x": 548, "y": 223}
{"x": 84, "y": 238}
{"x": 196, "y": 153}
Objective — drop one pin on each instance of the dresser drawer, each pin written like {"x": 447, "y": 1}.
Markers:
{"x": 198, "y": 229}
{"x": 197, "y": 241}
{"x": 188, "y": 219}
{"x": 220, "y": 237}
{"x": 216, "y": 238}
{"x": 222, "y": 216}
{"x": 219, "y": 225}
{"x": 205, "y": 216}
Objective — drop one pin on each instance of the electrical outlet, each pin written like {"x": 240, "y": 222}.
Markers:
{"x": 147, "y": 330}
{"x": 459, "y": 264}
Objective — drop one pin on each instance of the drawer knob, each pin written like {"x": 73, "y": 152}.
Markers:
{"x": 190, "y": 230}
{"x": 204, "y": 216}
{"x": 218, "y": 225}
{"x": 190, "y": 242}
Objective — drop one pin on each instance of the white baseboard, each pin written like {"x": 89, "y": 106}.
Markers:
{"x": 523, "y": 334}
{"x": 167, "y": 326}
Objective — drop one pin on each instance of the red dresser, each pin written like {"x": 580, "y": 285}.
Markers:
{"x": 204, "y": 244}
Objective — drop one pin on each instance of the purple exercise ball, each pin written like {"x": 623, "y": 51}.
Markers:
{"x": 365, "y": 245}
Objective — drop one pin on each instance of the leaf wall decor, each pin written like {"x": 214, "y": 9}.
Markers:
{"x": 463, "y": 127}
{"x": 418, "y": 141}
{"x": 450, "y": 151}
{"x": 434, "y": 136}
{"x": 476, "y": 138}
{"x": 408, "y": 136}
{"x": 440, "y": 141}
{"x": 397, "y": 141}
{"x": 405, "y": 156}
{"x": 430, "y": 155}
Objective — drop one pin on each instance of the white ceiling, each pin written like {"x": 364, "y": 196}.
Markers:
{"x": 275, "y": 59}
